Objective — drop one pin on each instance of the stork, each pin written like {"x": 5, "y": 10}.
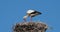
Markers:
{"x": 31, "y": 13}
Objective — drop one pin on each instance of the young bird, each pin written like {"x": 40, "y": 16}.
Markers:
{"x": 25, "y": 17}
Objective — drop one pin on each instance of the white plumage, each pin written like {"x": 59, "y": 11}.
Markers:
{"x": 30, "y": 11}
{"x": 25, "y": 16}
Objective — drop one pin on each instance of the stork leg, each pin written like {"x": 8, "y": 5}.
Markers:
{"x": 24, "y": 20}
{"x": 30, "y": 18}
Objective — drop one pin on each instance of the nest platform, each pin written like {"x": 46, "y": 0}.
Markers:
{"x": 30, "y": 27}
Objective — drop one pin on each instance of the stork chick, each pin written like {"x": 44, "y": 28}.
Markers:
{"x": 25, "y": 17}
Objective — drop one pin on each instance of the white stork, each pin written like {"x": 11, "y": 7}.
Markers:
{"x": 31, "y": 13}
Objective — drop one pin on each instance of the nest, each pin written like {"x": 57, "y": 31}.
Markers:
{"x": 30, "y": 27}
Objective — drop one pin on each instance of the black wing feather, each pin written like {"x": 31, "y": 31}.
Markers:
{"x": 36, "y": 12}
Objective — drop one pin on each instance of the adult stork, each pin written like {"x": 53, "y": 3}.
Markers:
{"x": 31, "y": 13}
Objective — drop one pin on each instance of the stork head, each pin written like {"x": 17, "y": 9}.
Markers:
{"x": 25, "y": 17}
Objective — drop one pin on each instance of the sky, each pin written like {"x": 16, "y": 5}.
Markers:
{"x": 12, "y": 11}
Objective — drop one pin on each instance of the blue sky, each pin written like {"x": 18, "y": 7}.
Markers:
{"x": 12, "y": 11}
